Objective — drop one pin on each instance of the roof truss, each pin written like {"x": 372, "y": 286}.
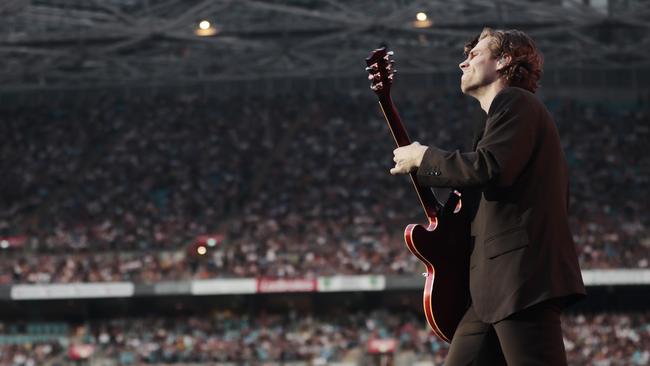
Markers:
{"x": 85, "y": 42}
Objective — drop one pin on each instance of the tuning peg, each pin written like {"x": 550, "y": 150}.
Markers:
{"x": 373, "y": 68}
{"x": 390, "y": 53}
{"x": 377, "y": 86}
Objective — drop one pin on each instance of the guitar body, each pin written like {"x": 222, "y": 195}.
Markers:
{"x": 444, "y": 245}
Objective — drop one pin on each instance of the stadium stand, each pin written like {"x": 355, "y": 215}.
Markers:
{"x": 113, "y": 188}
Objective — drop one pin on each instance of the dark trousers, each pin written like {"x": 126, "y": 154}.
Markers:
{"x": 532, "y": 336}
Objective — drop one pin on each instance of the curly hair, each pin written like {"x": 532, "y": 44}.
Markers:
{"x": 525, "y": 69}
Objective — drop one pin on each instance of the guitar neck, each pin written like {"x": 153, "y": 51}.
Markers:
{"x": 394, "y": 121}
{"x": 401, "y": 137}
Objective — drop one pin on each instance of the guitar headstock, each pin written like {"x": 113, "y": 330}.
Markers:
{"x": 381, "y": 71}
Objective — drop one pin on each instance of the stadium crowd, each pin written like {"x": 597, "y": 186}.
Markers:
{"x": 109, "y": 187}
{"x": 590, "y": 339}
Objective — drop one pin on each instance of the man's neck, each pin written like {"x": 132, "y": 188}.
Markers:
{"x": 486, "y": 94}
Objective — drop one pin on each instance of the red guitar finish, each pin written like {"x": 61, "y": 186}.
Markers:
{"x": 443, "y": 245}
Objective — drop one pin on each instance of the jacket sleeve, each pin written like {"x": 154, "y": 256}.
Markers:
{"x": 500, "y": 156}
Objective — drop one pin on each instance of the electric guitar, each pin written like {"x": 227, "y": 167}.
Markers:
{"x": 443, "y": 245}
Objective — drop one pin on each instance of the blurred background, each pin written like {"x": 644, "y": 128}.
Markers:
{"x": 187, "y": 182}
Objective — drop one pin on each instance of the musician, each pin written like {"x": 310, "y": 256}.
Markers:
{"x": 524, "y": 267}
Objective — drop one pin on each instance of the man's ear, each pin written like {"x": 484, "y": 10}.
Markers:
{"x": 504, "y": 61}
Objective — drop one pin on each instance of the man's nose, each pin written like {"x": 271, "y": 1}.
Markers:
{"x": 463, "y": 65}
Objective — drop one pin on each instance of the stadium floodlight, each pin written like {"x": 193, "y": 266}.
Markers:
{"x": 205, "y": 28}
{"x": 422, "y": 20}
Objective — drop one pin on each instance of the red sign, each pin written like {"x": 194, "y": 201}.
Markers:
{"x": 382, "y": 345}
{"x": 285, "y": 285}
{"x": 80, "y": 351}
{"x": 13, "y": 241}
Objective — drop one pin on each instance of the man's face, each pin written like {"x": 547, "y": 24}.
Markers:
{"x": 479, "y": 69}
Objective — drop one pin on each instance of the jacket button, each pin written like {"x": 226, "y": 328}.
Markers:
{"x": 436, "y": 172}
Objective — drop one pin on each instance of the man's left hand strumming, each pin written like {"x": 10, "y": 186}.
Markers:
{"x": 408, "y": 158}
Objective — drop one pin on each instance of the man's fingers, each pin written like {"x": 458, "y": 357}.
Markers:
{"x": 397, "y": 170}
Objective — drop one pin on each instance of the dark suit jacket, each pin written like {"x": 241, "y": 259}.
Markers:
{"x": 523, "y": 249}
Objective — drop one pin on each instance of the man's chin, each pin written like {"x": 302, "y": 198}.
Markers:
{"x": 467, "y": 88}
{"x": 464, "y": 88}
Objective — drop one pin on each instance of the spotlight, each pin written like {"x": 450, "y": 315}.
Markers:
{"x": 422, "y": 20}
{"x": 201, "y": 250}
{"x": 205, "y": 29}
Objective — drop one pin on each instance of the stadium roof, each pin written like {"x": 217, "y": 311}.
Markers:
{"x": 82, "y": 42}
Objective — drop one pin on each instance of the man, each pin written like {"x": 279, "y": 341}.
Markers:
{"x": 524, "y": 267}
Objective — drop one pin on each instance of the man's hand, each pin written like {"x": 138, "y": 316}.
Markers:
{"x": 408, "y": 158}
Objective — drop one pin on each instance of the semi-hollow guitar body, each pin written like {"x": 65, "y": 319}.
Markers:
{"x": 444, "y": 250}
